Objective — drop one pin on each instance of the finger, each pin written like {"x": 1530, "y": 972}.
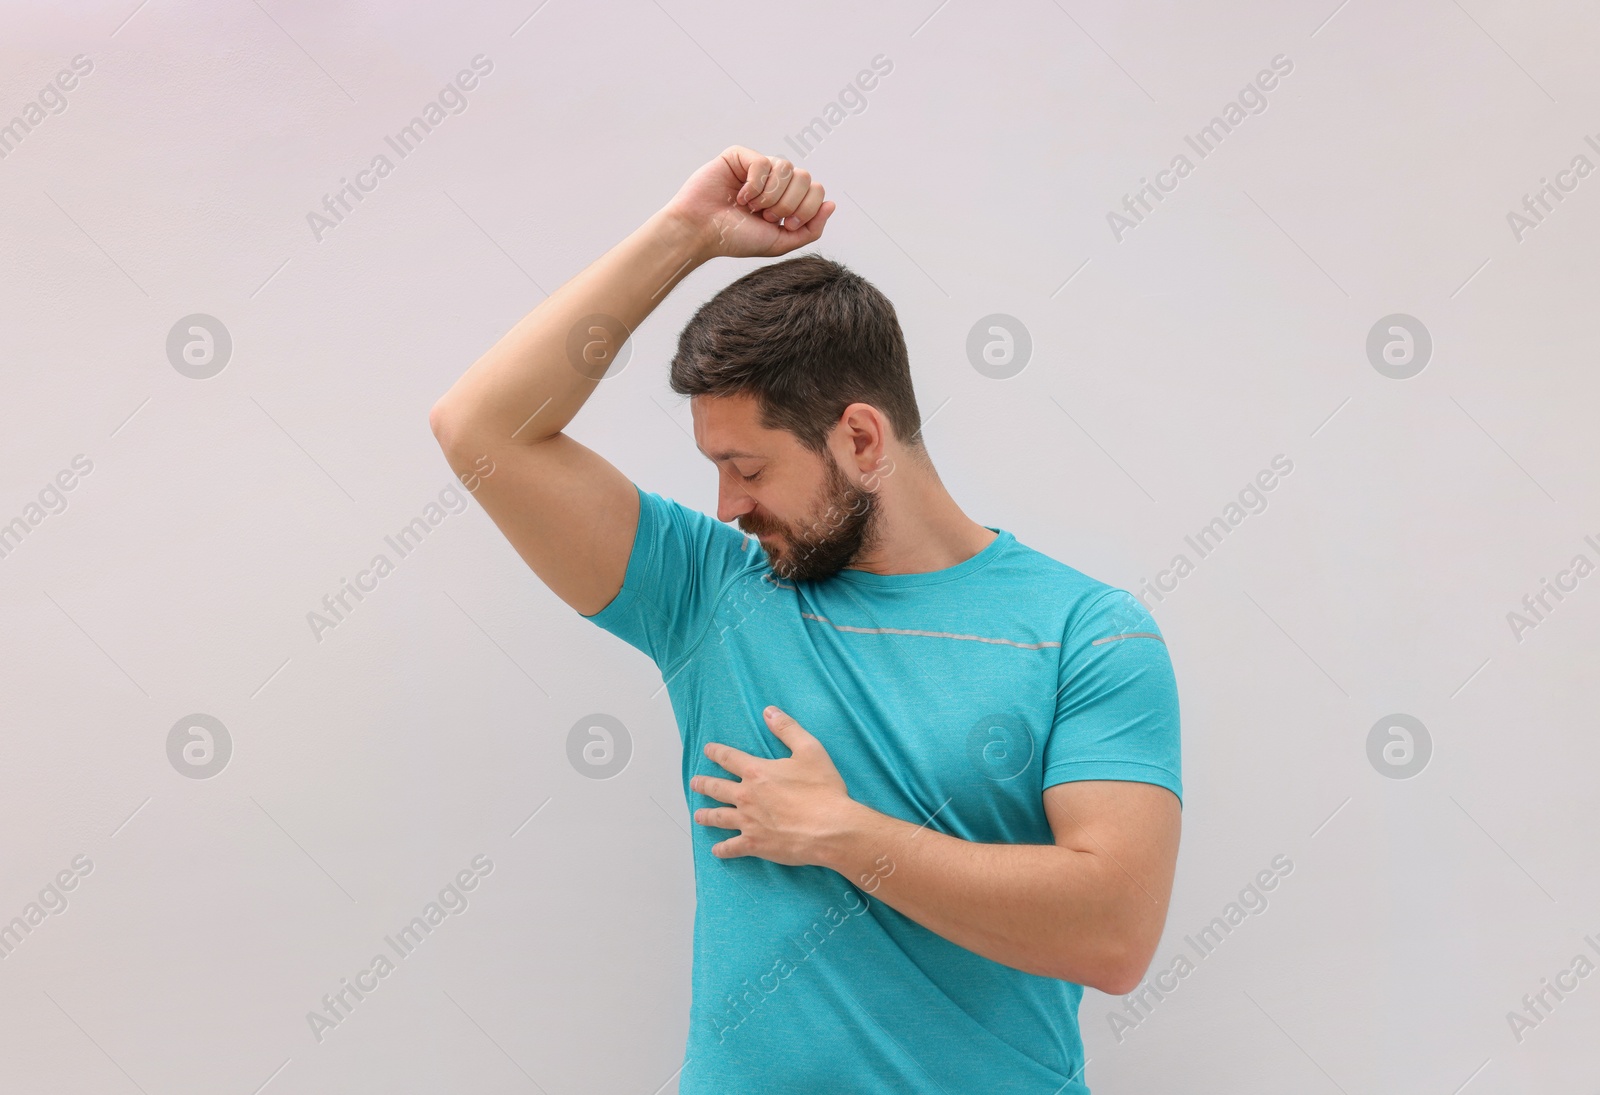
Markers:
{"x": 755, "y": 183}
{"x": 809, "y": 233}
{"x": 749, "y": 166}
{"x": 776, "y": 181}
{"x": 737, "y": 761}
{"x": 723, "y": 790}
{"x": 792, "y": 196}
{"x": 807, "y": 209}
{"x": 720, "y": 817}
{"x": 732, "y": 848}
{"x": 786, "y": 730}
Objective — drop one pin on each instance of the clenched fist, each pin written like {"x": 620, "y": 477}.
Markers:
{"x": 746, "y": 205}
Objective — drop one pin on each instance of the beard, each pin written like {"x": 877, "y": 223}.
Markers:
{"x": 848, "y": 526}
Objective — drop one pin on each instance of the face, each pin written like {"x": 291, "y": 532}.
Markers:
{"x": 812, "y": 520}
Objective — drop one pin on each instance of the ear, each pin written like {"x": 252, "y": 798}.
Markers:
{"x": 868, "y": 433}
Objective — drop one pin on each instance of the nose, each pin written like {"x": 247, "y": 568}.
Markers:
{"x": 732, "y": 501}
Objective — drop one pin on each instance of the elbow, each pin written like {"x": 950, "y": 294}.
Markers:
{"x": 438, "y": 421}
{"x": 1122, "y": 982}
{"x": 1116, "y": 970}
{"x": 452, "y": 435}
{"x": 448, "y": 428}
{"x": 1124, "y": 968}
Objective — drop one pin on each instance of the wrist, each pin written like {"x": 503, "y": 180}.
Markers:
{"x": 850, "y": 838}
{"x": 688, "y": 241}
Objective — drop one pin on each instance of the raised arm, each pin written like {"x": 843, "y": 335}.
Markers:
{"x": 567, "y": 511}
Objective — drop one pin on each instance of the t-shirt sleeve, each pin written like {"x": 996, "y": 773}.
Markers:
{"x": 681, "y": 561}
{"x": 1117, "y": 700}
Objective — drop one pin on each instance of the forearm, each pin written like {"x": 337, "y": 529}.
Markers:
{"x": 526, "y": 387}
{"x": 1041, "y": 908}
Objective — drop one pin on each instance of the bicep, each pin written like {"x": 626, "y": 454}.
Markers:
{"x": 644, "y": 567}
{"x": 1134, "y": 829}
{"x": 566, "y": 510}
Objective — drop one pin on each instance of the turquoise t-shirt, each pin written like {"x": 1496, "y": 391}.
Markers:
{"x": 956, "y": 695}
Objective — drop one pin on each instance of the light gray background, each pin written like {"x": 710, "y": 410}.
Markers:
{"x": 1168, "y": 369}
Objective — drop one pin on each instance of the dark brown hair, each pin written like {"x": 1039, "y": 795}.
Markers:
{"x": 806, "y": 337}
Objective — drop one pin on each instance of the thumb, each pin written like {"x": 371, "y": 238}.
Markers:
{"x": 784, "y": 728}
{"x": 791, "y": 239}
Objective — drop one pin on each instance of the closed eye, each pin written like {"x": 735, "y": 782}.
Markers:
{"x": 751, "y": 478}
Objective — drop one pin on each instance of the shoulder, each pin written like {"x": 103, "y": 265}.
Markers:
{"x": 1086, "y": 609}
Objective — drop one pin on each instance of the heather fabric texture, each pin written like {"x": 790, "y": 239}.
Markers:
{"x": 954, "y": 698}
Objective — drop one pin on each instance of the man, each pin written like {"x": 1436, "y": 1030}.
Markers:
{"x": 934, "y": 773}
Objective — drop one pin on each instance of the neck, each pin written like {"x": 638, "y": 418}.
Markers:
{"x": 919, "y": 527}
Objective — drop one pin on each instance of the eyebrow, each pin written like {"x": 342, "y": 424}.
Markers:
{"x": 730, "y": 454}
